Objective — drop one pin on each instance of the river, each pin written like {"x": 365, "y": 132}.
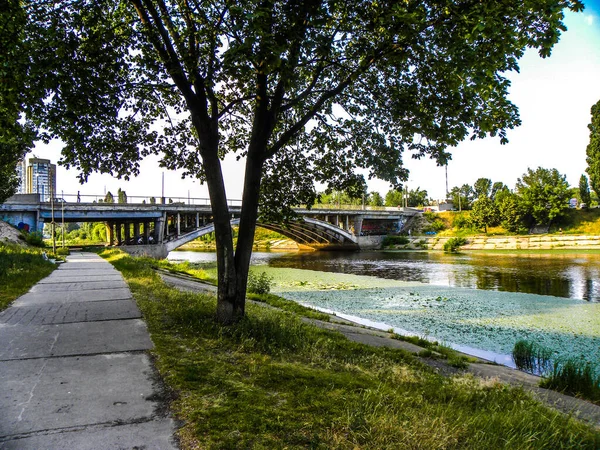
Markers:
{"x": 559, "y": 273}
{"x": 477, "y": 302}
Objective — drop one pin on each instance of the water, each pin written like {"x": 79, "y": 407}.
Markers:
{"x": 568, "y": 275}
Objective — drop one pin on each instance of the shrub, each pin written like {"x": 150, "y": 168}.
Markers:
{"x": 394, "y": 240}
{"x": 531, "y": 357}
{"x": 462, "y": 221}
{"x": 452, "y": 245}
{"x": 64, "y": 251}
{"x": 259, "y": 284}
{"x": 34, "y": 238}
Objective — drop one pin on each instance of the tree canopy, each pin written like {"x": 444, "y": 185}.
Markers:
{"x": 544, "y": 194}
{"x": 16, "y": 136}
{"x": 304, "y": 90}
{"x": 593, "y": 150}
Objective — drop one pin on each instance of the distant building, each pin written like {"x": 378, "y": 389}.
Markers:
{"x": 41, "y": 178}
{"x": 22, "y": 174}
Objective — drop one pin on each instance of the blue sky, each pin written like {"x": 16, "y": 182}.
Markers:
{"x": 554, "y": 97}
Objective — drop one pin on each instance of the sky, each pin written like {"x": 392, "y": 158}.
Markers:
{"x": 554, "y": 97}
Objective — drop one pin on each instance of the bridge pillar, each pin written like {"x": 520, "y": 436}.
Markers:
{"x": 136, "y": 231}
{"x": 159, "y": 228}
{"x": 146, "y": 232}
{"x": 118, "y": 233}
{"x": 178, "y": 224}
{"x": 127, "y": 230}
{"x": 197, "y": 220}
{"x": 347, "y": 227}
{"x": 110, "y": 233}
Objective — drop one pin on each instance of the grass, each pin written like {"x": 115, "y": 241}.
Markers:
{"x": 20, "y": 268}
{"x": 574, "y": 378}
{"x": 272, "y": 381}
{"x": 434, "y": 349}
{"x": 531, "y": 357}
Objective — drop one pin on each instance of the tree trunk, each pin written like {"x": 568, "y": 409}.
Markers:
{"x": 248, "y": 218}
{"x": 228, "y": 310}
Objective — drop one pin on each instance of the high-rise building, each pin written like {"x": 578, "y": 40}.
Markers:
{"x": 22, "y": 174}
{"x": 41, "y": 178}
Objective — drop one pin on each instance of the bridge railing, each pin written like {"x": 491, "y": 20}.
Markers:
{"x": 139, "y": 200}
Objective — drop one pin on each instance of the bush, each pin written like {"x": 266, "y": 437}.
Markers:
{"x": 394, "y": 240}
{"x": 34, "y": 238}
{"x": 64, "y": 251}
{"x": 452, "y": 245}
{"x": 462, "y": 221}
{"x": 531, "y": 357}
{"x": 259, "y": 284}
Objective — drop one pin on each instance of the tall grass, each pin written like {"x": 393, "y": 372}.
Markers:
{"x": 531, "y": 357}
{"x": 574, "y": 378}
{"x": 569, "y": 376}
{"x": 20, "y": 269}
{"x": 272, "y": 381}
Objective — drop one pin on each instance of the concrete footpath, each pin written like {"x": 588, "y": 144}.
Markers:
{"x": 74, "y": 368}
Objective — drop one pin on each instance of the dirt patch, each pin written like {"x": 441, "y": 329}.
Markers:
{"x": 8, "y": 233}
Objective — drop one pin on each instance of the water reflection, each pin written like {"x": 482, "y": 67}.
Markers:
{"x": 567, "y": 275}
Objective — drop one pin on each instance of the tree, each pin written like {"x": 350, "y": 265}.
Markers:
{"x": 462, "y": 197}
{"x": 108, "y": 198}
{"x": 375, "y": 199}
{"x": 394, "y": 197}
{"x": 593, "y": 150}
{"x": 16, "y": 136}
{"x": 584, "y": 190}
{"x": 417, "y": 197}
{"x": 510, "y": 211}
{"x": 484, "y": 213}
{"x": 482, "y": 187}
{"x": 121, "y": 196}
{"x": 304, "y": 91}
{"x": 497, "y": 188}
{"x": 544, "y": 194}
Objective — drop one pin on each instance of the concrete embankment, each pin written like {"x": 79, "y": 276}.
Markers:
{"x": 534, "y": 242}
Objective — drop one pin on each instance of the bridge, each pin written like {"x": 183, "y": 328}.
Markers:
{"x": 144, "y": 227}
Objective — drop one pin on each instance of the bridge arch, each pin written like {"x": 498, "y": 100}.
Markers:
{"x": 307, "y": 232}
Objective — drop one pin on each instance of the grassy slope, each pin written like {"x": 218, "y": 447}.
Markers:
{"x": 20, "y": 269}
{"x": 272, "y": 381}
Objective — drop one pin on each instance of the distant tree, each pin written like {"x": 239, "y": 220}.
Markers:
{"x": 108, "y": 198}
{"x": 593, "y": 150}
{"x": 498, "y": 187}
{"x": 417, "y": 197}
{"x": 375, "y": 199}
{"x": 510, "y": 211}
{"x": 544, "y": 193}
{"x": 462, "y": 197}
{"x": 122, "y": 196}
{"x": 394, "y": 198}
{"x": 153, "y": 200}
{"x": 482, "y": 187}
{"x": 484, "y": 213}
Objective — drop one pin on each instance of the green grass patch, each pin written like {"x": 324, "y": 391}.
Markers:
{"x": 20, "y": 269}
{"x": 272, "y": 381}
{"x": 289, "y": 305}
{"x": 433, "y": 349}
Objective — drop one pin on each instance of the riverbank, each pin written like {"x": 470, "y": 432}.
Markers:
{"x": 484, "y": 242}
{"x": 273, "y": 381}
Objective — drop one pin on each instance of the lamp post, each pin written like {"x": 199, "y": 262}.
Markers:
{"x": 63, "y": 218}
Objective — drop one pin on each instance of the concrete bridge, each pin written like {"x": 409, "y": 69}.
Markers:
{"x": 156, "y": 229}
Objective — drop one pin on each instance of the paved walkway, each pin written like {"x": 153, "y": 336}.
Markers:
{"x": 74, "y": 367}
